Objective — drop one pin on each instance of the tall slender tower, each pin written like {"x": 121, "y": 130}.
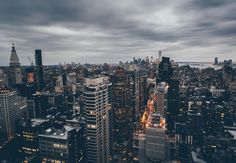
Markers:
{"x": 15, "y": 74}
{"x": 123, "y": 112}
{"x": 39, "y": 70}
{"x": 97, "y": 107}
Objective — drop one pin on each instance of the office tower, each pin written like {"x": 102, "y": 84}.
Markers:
{"x": 64, "y": 144}
{"x": 165, "y": 69}
{"x": 134, "y": 89}
{"x": 216, "y": 61}
{"x": 97, "y": 107}
{"x": 3, "y": 78}
{"x": 27, "y": 138}
{"x": 172, "y": 104}
{"x": 15, "y": 74}
{"x": 184, "y": 140}
{"x": 122, "y": 112}
{"x": 161, "y": 98}
{"x": 39, "y": 70}
{"x": 143, "y": 92}
{"x": 227, "y": 71}
{"x": 12, "y": 108}
{"x": 38, "y": 106}
{"x": 229, "y": 75}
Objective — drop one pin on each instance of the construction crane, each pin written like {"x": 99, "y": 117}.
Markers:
{"x": 32, "y": 64}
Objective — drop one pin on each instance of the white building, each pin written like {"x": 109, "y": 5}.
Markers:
{"x": 97, "y": 119}
{"x": 12, "y": 107}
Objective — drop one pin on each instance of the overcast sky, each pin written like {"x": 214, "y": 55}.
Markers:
{"x": 98, "y": 31}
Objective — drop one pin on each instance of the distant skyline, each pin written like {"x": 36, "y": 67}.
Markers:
{"x": 89, "y": 31}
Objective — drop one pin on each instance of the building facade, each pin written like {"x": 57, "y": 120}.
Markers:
{"x": 97, "y": 107}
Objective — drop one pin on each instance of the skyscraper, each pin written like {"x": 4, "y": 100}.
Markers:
{"x": 165, "y": 69}
{"x": 11, "y": 108}
{"x": 39, "y": 69}
{"x": 15, "y": 74}
{"x": 96, "y": 105}
{"x": 161, "y": 99}
{"x": 216, "y": 61}
{"x": 172, "y": 104}
{"x": 123, "y": 113}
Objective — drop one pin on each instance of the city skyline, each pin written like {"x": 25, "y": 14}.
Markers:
{"x": 88, "y": 32}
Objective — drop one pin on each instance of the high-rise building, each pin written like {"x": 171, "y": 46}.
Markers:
{"x": 27, "y": 138}
{"x": 97, "y": 107}
{"x": 39, "y": 70}
{"x": 123, "y": 112}
{"x": 11, "y": 109}
{"x": 64, "y": 144}
{"x": 172, "y": 104}
{"x": 15, "y": 72}
{"x": 134, "y": 90}
{"x": 216, "y": 61}
{"x": 161, "y": 98}
{"x": 165, "y": 69}
{"x": 37, "y": 106}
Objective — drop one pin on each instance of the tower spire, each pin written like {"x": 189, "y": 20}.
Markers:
{"x": 13, "y": 47}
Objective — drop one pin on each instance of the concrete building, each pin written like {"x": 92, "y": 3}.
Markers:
{"x": 122, "y": 111}
{"x": 27, "y": 138}
{"x": 12, "y": 107}
{"x": 161, "y": 92}
{"x": 97, "y": 107}
{"x": 39, "y": 70}
{"x": 61, "y": 144}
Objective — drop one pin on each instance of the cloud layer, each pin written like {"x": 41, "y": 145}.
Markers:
{"x": 109, "y": 31}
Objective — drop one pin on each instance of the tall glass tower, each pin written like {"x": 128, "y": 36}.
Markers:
{"x": 39, "y": 70}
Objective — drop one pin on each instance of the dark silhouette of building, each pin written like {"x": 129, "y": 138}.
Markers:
{"x": 165, "y": 69}
{"x": 39, "y": 70}
{"x": 172, "y": 104}
{"x": 122, "y": 112}
{"x": 216, "y": 61}
{"x": 27, "y": 138}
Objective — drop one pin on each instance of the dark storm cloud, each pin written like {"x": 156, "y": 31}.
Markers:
{"x": 108, "y": 31}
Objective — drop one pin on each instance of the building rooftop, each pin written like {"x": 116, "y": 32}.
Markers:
{"x": 36, "y": 122}
{"x": 61, "y": 133}
{"x": 96, "y": 81}
{"x": 4, "y": 90}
